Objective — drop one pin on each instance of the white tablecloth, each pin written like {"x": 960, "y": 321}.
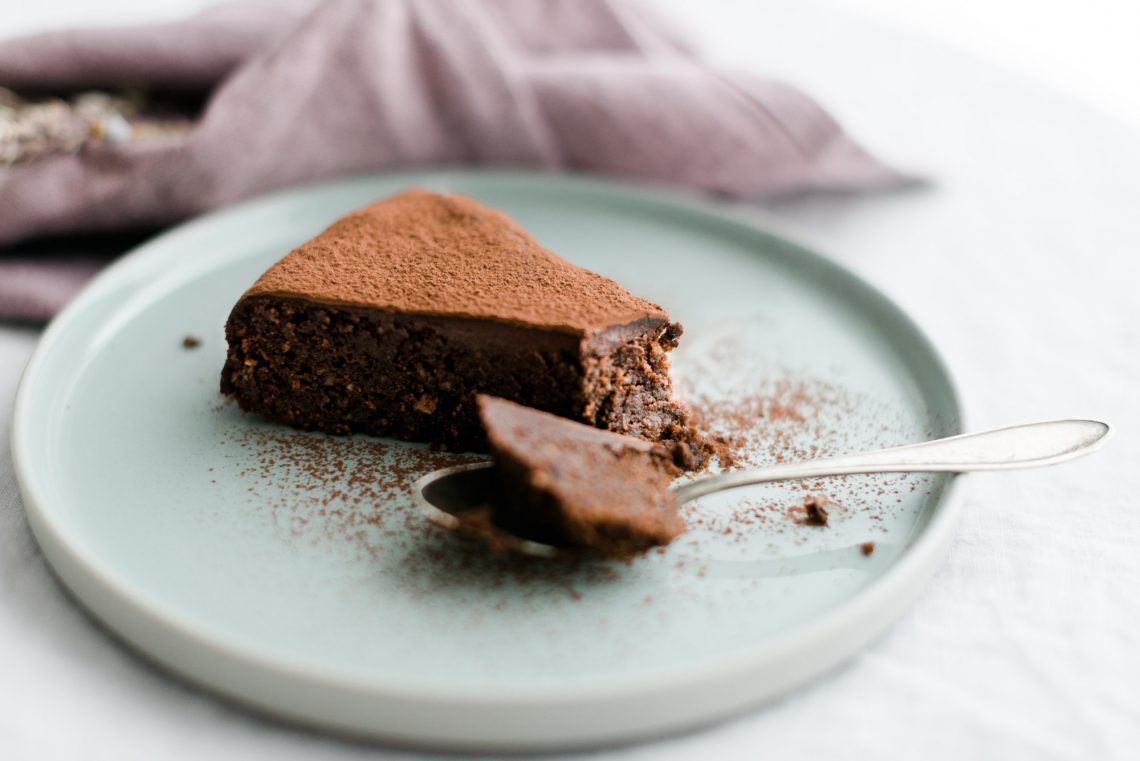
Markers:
{"x": 1022, "y": 262}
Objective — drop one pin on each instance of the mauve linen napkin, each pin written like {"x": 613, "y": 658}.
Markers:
{"x": 299, "y": 91}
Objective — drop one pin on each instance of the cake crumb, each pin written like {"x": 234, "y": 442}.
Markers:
{"x": 815, "y": 511}
{"x": 191, "y": 342}
{"x": 683, "y": 456}
{"x": 867, "y": 548}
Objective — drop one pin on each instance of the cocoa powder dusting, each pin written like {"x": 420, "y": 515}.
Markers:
{"x": 479, "y": 261}
{"x": 786, "y": 418}
{"x": 355, "y": 491}
{"x": 322, "y": 488}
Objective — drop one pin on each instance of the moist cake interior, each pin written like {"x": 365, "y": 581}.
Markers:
{"x": 574, "y": 486}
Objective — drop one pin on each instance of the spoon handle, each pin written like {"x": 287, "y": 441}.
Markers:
{"x": 1020, "y": 446}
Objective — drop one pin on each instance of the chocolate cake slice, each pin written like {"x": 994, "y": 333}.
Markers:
{"x": 571, "y": 485}
{"x": 392, "y": 320}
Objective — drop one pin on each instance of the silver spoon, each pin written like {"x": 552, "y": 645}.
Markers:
{"x": 446, "y": 493}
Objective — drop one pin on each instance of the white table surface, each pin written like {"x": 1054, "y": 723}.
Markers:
{"x": 1021, "y": 262}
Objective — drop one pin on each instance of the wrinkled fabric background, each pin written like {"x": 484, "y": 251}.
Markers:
{"x": 301, "y": 93}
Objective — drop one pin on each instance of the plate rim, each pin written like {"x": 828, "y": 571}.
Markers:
{"x": 171, "y": 640}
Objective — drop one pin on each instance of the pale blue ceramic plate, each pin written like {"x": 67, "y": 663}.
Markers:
{"x": 288, "y": 571}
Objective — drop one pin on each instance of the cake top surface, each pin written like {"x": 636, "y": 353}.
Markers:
{"x": 431, "y": 254}
{"x": 605, "y": 483}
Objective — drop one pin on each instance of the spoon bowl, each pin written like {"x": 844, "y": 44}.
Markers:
{"x": 445, "y": 496}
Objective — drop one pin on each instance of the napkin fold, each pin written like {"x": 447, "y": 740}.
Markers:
{"x": 301, "y": 91}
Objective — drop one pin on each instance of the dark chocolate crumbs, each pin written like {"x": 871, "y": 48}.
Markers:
{"x": 815, "y": 510}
